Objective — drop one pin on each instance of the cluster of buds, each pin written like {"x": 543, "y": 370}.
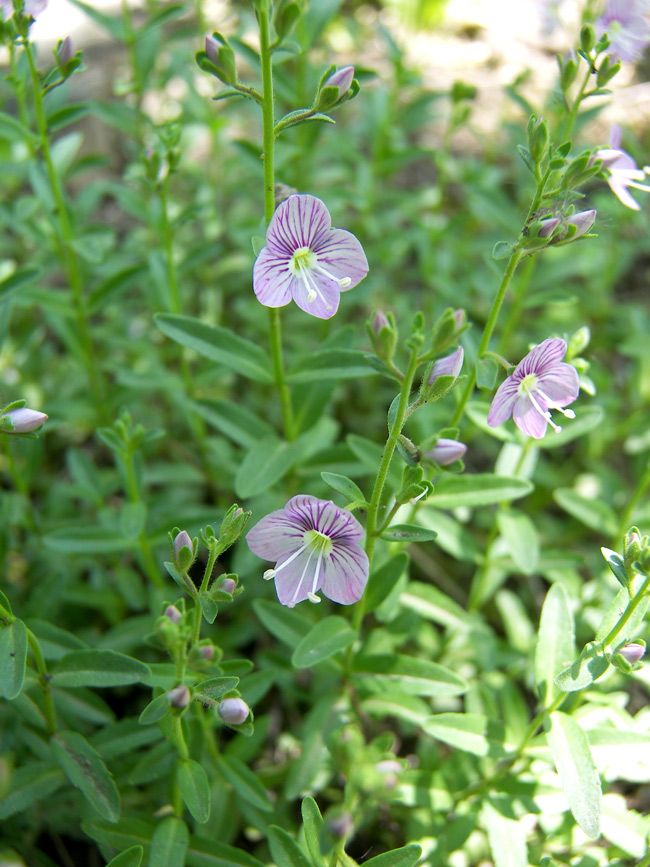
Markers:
{"x": 549, "y": 228}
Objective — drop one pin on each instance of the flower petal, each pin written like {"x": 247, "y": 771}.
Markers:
{"x": 277, "y": 535}
{"x": 561, "y": 383}
{"x": 341, "y": 253}
{"x": 298, "y": 222}
{"x": 503, "y": 402}
{"x": 326, "y": 517}
{"x": 345, "y": 574}
{"x": 619, "y": 187}
{"x": 294, "y": 581}
{"x": 528, "y": 419}
{"x": 272, "y": 280}
{"x": 546, "y": 354}
{"x": 326, "y": 302}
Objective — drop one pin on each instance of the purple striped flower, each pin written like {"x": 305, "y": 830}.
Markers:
{"x": 540, "y": 382}
{"x": 316, "y": 547}
{"x": 306, "y": 260}
{"x": 626, "y": 24}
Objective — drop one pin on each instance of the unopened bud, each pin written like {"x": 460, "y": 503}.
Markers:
{"x": 445, "y": 452}
{"x": 583, "y": 221}
{"x": 20, "y": 421}
{"x": 459, "y": 318}
{"x": 379, "y": 321}
{"x": 450, "y": 365}
{"x": 341, "y": 825}
{"x": 173, "y": 614}
{"x": 65, "y": 51}
{"x": 548, "y": 226}
{"x": 632, "y": 653}
{"x": 342, "y": 79}
{"x": 222, "y": 58}
{"x": 207, "y": 652}
{"x": 228, "y": 585}
{"x": 212, "y": 49}
{"x": 232, "y": 525}
{"x": 179, "y": 696}
{"x": 233, "y": 711}
{"x": 183, "y": 550}
{"x": 390, "y": 769}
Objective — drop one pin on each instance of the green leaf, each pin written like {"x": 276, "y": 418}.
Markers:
{"x": 218, "y": 344}
{"x": 314, "y": 826}
{"x": 409, "y": 674}
{"x": 132, "y": 519}
{"x": 625, "y": 828}
{"x": 555, "y": 642}
{"x": 286, "y": 625}
{"x": 587, "y": 668}
{"x": 63, "y": 117}
{"x": 169, "y": 843}
{"x": 586, "y": 420}
{"x": 331, "y": 364}
{"x": 236, "y": 422}
{"x": 209, "y": 608}
{"x": 87, "y": 772}
{"x": 54, "y": 641}
{"x": 244, "y": 782}
{"x": 99, "y": 668}
{"x": 13, "y": 130}
{"x": 593, "y": 513}
{"x": 506, "y": 835}
{"x": 480, "y": 489}
{"x": 327, "y": 637}
{"x": 471, "y": 732}
{"x": 383, "y": 579}
{"x": 486, "y": 372}
{"x": 575, "y": 766}
{"x": 407, "y": 856}
{"x": 29, "y": 783}
{"x": 350, "y": 490}
{"x": 502, "y": 249}
{"x": 131, "y": 858}
{"x": 87, "y": 540}
{"x": 284, "y": 849}
{"x": 194, "y": 788}
{"x": 269, "y": 460}
{"x": 431, "y": 603}
{"x": 521, "y": 538}
{"x": 14, "y": 282}
{"x": 400, "y": 705}
{"x": 216, "y": 687}
{"x": 113, "y": 25}
{"x": 408, "y": 533}
{"x": 369, "y": 453}
{"x": 13, "y": 655}
{"x": 155, "y": 710}
{"x": 210, "y": 853}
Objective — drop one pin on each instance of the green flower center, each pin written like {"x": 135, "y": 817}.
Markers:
{"x": 318, "y": 542}
{"x": 302, "y": 258}
{"x": 528, "y": 384}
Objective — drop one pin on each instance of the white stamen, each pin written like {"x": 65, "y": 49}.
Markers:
{"x": 313, "y": 291}
{"x": 302, "y": 578}
{"x": 567, "y": 413}
{"x": 270, "y": 573}
{"x": 343, "y": 282}
{"x": 313, "y": 598}
{"x": 545, "y": 414}
{"x": 414, "y": 500}
{"x": 316, "y": 574}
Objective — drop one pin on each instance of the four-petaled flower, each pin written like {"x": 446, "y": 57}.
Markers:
{"x": 626, "y": 24}
{"x": 306, "y": 260}
{"x": 316, "y": 547}
{"x": 540, "y": 382}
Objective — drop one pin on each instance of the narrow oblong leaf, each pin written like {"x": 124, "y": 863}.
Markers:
{"x": 471, "y": 732}
{"x": 286, "y": 625}
{"x": 506, "y": 835}
{"x": 14, "y": 282}
{"x": 407, "y": 856}
{"x": 84, "y": 767}
{"x": 267, "y": 462}
{"x": 194, "y": 788}
{"x": 555, "y": 642}
{"x": 244, "y": 782}
{"x": 216, "y": 687}
{"x": 99, "y": 668}
{"x": 521, "y": 538}
{"x": 331, "y": 364}
{"x": 350, "y": 490}
{"x": 408, "y": 533}
{"x": 313, "y": 825}
{"x": 284, "y": 849}
{"x": 155, "y": 710}
{"x": 169, "y": 843}
{"x": 592, "y": 513}
{"x": 30, "y": 783}
{"x": 326, "y": 638}
{"x": 13, "y": 655}
{"x": 480, "y": 489}
{"x": 587, "y": 668}
{"x": 575, "y": 766}
{"x": 409, "y": 674}
{"x": 218, "y": 344}
{"x": 382, "y": 580}
{"x": 132, "y": 857}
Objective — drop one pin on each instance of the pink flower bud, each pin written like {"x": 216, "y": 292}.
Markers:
{"x": 228, "y": 585}
{"x": 183, "y": 549}
{"x": 233, "y": 711}
{"x": 632, "y": 653}
{"x": 449, "y": 366}
{"x": 173, "y": 614}
{"x": 548, "y": 227}
{"x": 342, "y": 79}
{"x": 212, "y": 50}
{"x": 583, "y": 221}
{"x": 341, "y": 825}
{"x": 207, "y": 652}
{"x": 66, "y": 51}
{"x": 379, "y": 321}
{"x": 24, "y": 420}
{"x": 459, "y": 318}
{"x": 445, "y": 452}
{"x": 179, "y": 696}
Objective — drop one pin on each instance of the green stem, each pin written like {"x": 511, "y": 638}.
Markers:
{"x": 627, "y": 614}
{"x": 44, "y": 677}
{"x": 133, "y": 490}
{"x": 268, "y": 112}
{"x": 179, "y": 737}
{"x": 519, "y": 291}
{"x": 168, "y": 246}
{"x": 639, "y": 491}
{"x": 573, "y": 114}
{"x": 487, "y": 332}
{"x": 372, "y": 533}
{"x": 66, "y": 240}
{"x": 205, "y": 583}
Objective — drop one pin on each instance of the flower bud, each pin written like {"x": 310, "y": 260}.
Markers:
{"x": 445, "y": 452}
{"x": 450, "y": 365}
{"x": 183, "y": 551}
{"x": 65, "y": 52}
{"x": 207, "y": 652}
{"x": 379, "y": 321}
{"x": 222, "y": 58}
{"x": 342, "y": 79}
{"x": 179, "y": 696}
{"x": 232, "y": 525}
{"x": 22, "y": 420}
{"x": 389, "y": 769}
{"x": 172, "y": 613}
{"x": 228, "y": 585}
{"x": 340, "y": 825}
{"x": 548, "y": 226}
{"x": 632, "y": 653}
{"x": 233, "y": 711}
{"x": 583, "y": 221}
{"x": 459, "y": 318}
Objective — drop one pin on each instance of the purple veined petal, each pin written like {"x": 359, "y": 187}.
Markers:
{"x": 295, "y": 581}
{"x": 503, "y": 402}
{"x": 275, "y": 536}
{"x": 561, "y": 384}
{"x": 341, "y": 253}
{"x": 545, "y": 354}
{"x": 326, "y": 517}
{"x": 620, "y": 190}
{"x": 326, "y": 302}
{"x": 528, "y": 419}
{"x": 299, "y": 221}
{"x": 345, "y": 574}
{"x": 272, "y": 280}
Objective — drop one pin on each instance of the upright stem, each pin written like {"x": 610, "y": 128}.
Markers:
{"x": 133, "y": 491}
{"x": 44, "y": 678}
{"x": 205, "y": 583}
{"x": 268, "y": 114}
{"x": 66, "y": 239}
{"x": 639, "y": 491}
{"x": 629, "y": 611}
